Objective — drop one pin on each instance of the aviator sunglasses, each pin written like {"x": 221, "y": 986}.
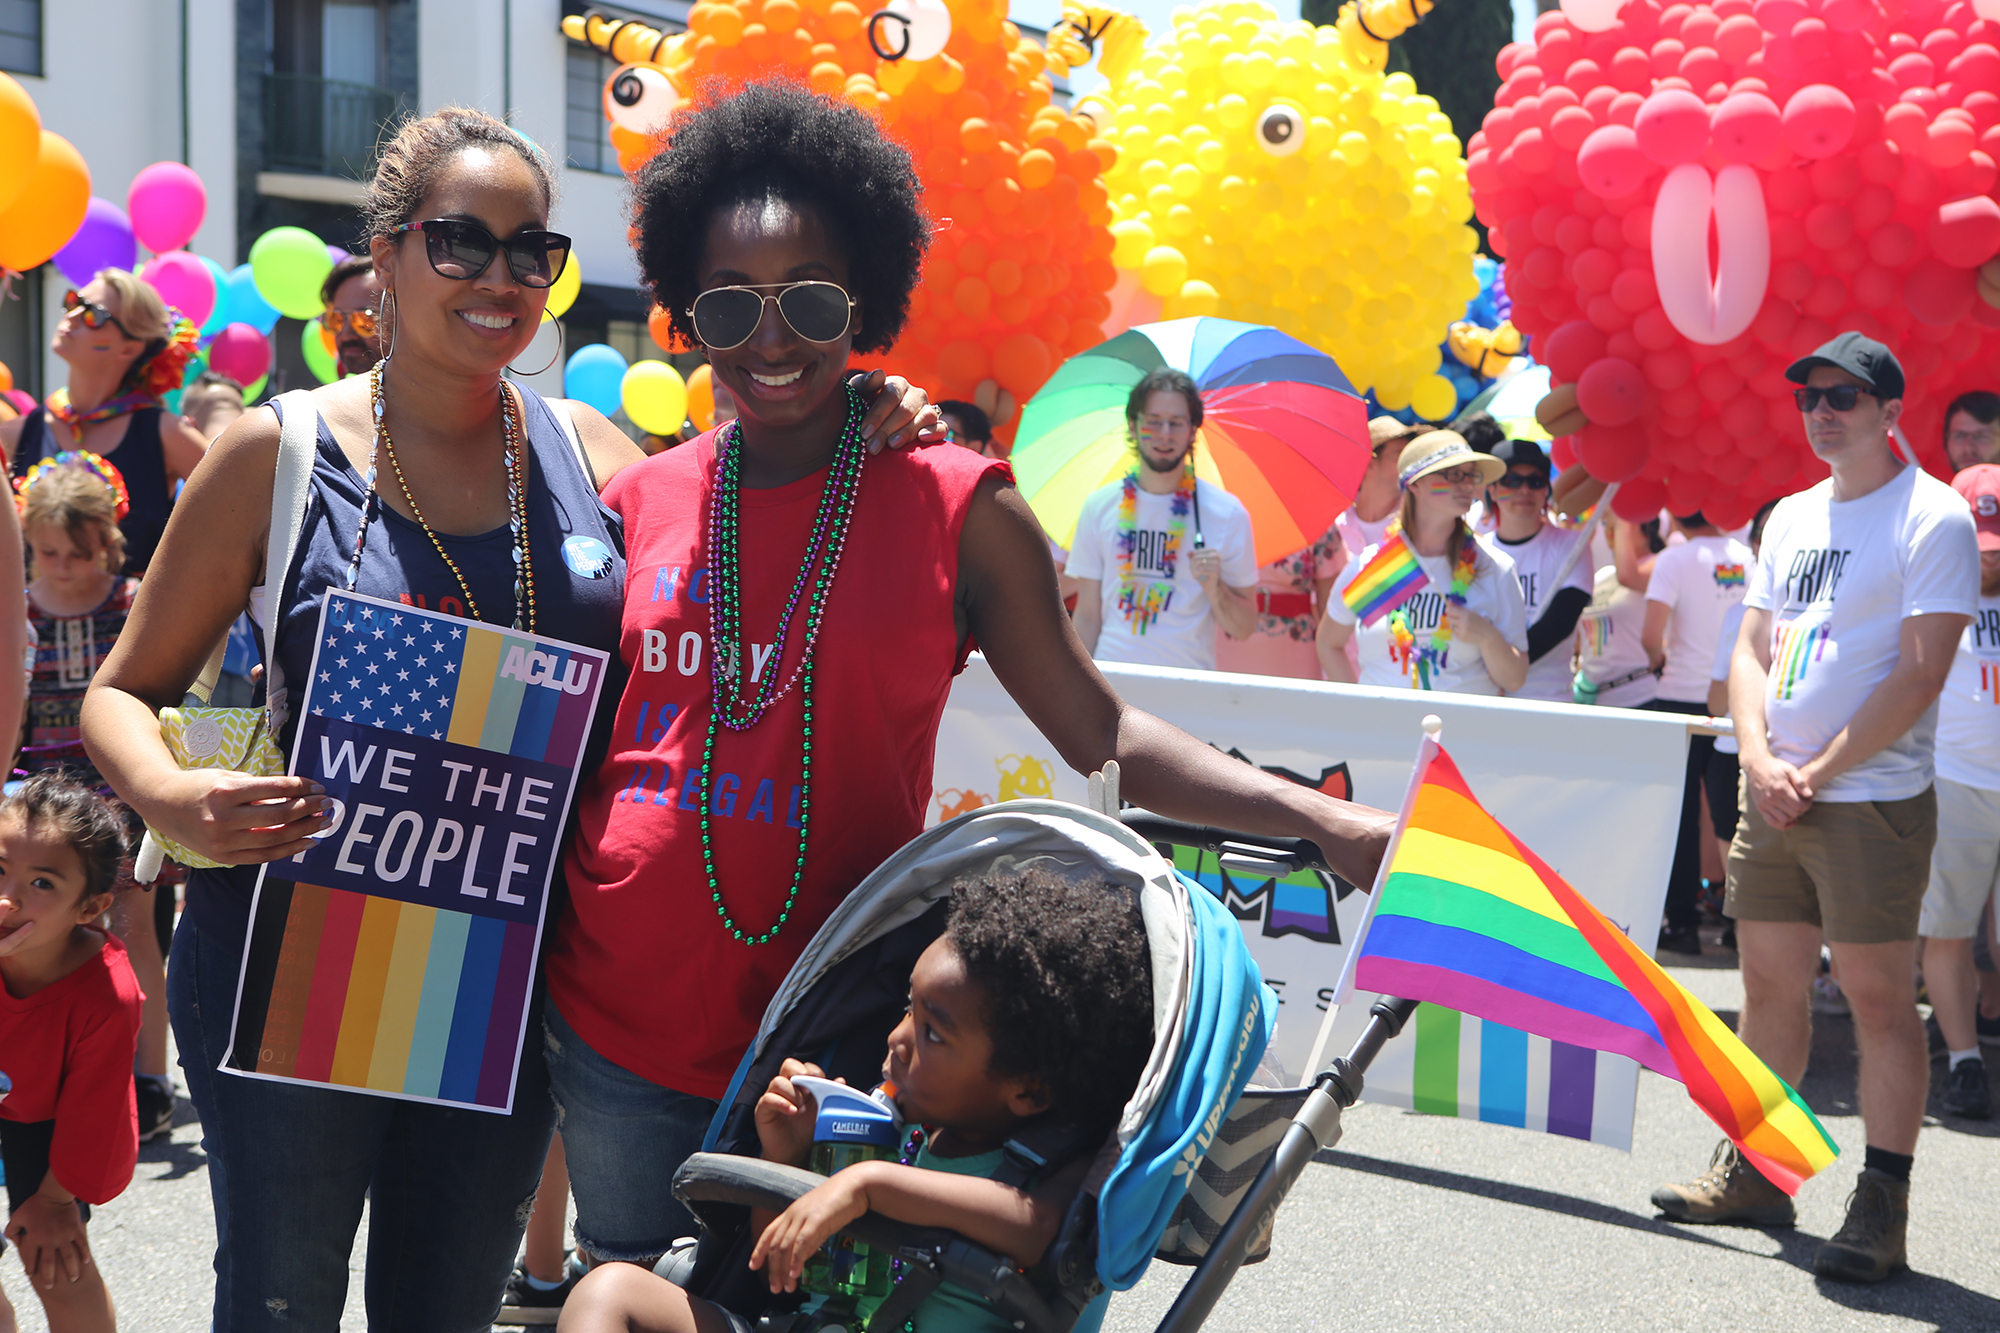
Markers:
{"x": 93, "y": 315}
{"x": 726, "y": 317}
{"x": 338, "y": 322}
{"x": 461, "y": 251}
{"x": 1841, "y": 397}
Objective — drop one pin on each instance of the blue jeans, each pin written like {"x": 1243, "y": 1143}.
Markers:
{"x": 449, "y": 1190}
{"x": 625, "y": 1136}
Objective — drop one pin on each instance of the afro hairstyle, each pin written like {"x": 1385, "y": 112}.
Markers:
{"x": 1068, "y": 979}
{"x": 777, "y": 139}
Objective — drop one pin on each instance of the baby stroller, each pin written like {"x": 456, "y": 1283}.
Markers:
{"x": 1200, "y": 1158}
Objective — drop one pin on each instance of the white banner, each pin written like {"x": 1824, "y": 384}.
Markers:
{"x": 1595, "y": 791}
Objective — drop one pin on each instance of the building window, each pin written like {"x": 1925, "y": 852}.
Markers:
{"x": 587, "y": 131}
{"x": 21, "y": 36}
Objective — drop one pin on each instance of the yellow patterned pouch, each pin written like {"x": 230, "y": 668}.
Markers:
{"x": 231, "y": 738}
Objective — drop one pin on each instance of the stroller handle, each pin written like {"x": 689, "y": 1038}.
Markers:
{"x": 1294, "y": 854}
{"x": 1316, "y": 1126}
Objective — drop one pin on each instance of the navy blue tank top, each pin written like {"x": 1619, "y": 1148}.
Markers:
{"x": 138, "y": 458}
{"x": 575, "y": 544}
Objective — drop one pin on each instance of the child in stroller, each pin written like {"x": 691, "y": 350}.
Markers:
{"x": 1036, "y": 1004}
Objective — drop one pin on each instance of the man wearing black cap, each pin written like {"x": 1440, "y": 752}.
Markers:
{"x": 1862, "y": 588}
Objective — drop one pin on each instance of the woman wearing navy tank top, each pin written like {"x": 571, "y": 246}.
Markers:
{"x": 457, "y": 222}
{"x": 795, "y": 613}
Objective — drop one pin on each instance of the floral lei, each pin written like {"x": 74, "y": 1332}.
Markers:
{"x": 1421, "y": 665}
{"x": 1142, "y": 603}
{"x": 98, "y": 466}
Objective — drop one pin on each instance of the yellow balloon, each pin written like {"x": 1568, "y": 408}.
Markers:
{"x": 655, "y": 397}
{"x": 1164, "y": 271}
{"x": 1434, "y": 398}
{"x": 564, "y": 290}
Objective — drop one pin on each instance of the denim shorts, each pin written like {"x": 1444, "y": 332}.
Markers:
{"x": 625, "y": 1136}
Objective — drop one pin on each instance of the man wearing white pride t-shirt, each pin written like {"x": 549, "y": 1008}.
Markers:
{"x": 1156, "y": 577}
{"x": 1862, "y": 587}
{"x": 1966, "y": 863}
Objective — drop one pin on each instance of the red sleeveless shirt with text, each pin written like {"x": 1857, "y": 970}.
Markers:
{"x": 643, "y": 968}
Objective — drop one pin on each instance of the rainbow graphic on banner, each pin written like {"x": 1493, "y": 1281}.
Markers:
{"x": 396, "y": 955}
{"x": 1386, "y": 582}
{"x": 1799, "y": 644}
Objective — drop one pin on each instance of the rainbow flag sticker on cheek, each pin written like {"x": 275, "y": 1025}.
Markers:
{"x": 1385, "y": 582}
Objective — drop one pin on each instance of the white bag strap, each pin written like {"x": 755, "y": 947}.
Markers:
{"x": 567, "y": 420}
{"x": 297, "y": 439}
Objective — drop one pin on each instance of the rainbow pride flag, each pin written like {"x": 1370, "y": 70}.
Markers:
{"x": 396, "y": 955}
{"x": 1385, "y": 582}
{"x": 1467, "y": 917}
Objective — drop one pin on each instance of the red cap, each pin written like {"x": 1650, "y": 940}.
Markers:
{"x": 1980, "y": 485}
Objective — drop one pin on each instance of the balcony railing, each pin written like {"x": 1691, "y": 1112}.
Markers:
{"x": 323, "y": 127}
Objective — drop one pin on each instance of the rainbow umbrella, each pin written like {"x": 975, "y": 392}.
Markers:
{"x": 1284, "y": 432}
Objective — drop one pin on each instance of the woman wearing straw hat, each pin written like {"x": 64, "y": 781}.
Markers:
{"x": 1465, "y": 628}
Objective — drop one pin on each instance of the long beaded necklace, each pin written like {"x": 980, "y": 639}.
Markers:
{"x": 1422, "y": 665}
{"x": 1142, "y": 603}
{"x": 729, "y": 707}
{"x": 517, "y": 510}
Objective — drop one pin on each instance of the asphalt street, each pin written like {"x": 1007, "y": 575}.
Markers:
{"x": 1412, "y": 1223}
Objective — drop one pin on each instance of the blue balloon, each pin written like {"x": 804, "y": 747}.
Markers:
{"x": 218, "y": 315}
{"x": 595, "y": 375}
{"x": 246, "y": 305}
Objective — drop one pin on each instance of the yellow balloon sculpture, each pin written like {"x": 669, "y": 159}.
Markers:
{"x": 1267, "y": 171}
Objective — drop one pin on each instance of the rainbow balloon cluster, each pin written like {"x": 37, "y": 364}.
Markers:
{"x": 1018, "y": 279}
{"x": 1841, "y": 153}
{"x": 1269, "y": 172}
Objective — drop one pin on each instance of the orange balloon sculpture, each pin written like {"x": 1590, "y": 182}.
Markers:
{"x": 1019, "y": 273}
{"x": 50, "y": 207}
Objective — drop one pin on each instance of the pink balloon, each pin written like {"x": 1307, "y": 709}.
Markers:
{"x": 1819, "y": 121}
{"x": 1672, "y": 127}
{"x": 1747, "y": 127}
{"x": 1570, "y": 350}
{"x": 241, "y": 353}
{"x": 1611, "y": 164}
{"x": 167, "y": 202}
{"x": 1966, "y": 232}
{"x": 1613, "y": 453}
{"x": 1611, "y": 392}
{"x": 183, "y": 282}
{"x": 1705, "y": 311}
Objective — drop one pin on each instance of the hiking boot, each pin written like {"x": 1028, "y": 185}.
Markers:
{"x": 523, "y": 1304}
{"x": 1731, "y": 1191}
{"x": 1869, "y": 1245}
{"x": 1965, "y": 1094}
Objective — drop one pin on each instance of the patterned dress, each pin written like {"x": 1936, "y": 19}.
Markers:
{"x": 68, "y": 652}
{"x": 1283, "y": 644}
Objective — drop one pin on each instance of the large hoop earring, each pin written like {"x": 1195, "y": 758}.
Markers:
{"x": 552, "y": 360}
{"x": 388, "y": 317}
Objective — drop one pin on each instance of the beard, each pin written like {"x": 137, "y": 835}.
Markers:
{"x": 1173, "y": 466}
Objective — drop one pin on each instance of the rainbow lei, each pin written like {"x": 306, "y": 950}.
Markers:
{"x": 1422, "y": 664}
{"x": 1142, "y": 603}
{"x": 95, "y": 464}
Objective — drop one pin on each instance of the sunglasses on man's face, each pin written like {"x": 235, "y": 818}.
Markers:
{"x": 1841, "y": 397}
{"x": 461, "y": 251}
{"x": 1514, "y": 481}
{"x": 337, "y": 323}
{"x": 727, "y": 317}
{"x": 93, "y": 315}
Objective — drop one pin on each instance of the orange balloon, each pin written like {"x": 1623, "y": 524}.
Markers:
{"x": 660, "y": 325}
{"x": 20, "y": 140}
{"x": 6, "y": 378}
{"x": 50, "y": 208}
{"x": 701, "y": 398}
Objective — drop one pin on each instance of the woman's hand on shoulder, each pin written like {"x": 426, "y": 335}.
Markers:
{"x": 899, "y": 413}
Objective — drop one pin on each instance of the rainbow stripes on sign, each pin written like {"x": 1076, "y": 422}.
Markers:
{"x": 395, "y": 997}
{"x": 1476, "y": 1070}
{"x": 1385, "y": 582}
{"x": 1469, "y": 918}
{"x": 1798, "y": 645}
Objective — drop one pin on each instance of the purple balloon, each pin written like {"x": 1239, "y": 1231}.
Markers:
{"x": 103, "y": 241}
{"x": 336, "y": 254}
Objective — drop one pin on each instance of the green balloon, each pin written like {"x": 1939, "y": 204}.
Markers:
{"x": 195, "y": 366}
{"x": 318, "y": 360}
{"x": 255, "y": 389}
{"x": 287, "y": 265}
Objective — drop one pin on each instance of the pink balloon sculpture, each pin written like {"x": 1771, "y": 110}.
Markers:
{"x": 167, "y": 202}
{"x": 183, "y": 282}
{"x": 241, "y": 353}
{"x": 1841, "y": 154}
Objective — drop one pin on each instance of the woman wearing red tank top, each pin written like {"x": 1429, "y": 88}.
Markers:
{"x": 794, "y": 615}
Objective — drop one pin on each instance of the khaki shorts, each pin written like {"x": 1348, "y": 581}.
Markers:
{"x": 1856, "y": 869}
{"x": 1965, "y": 867}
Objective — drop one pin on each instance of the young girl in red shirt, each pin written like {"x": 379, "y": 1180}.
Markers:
{"x": 69, "y": 1023}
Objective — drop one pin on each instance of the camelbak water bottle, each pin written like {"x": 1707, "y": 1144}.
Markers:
{"x": 852, "y": 1126}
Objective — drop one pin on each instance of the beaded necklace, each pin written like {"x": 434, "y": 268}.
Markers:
{"x": 517, "y": 505}
{"x": 729, "y": 708}
{"x": 1422, "y": 665}
{"x": 1142, "y": 603}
